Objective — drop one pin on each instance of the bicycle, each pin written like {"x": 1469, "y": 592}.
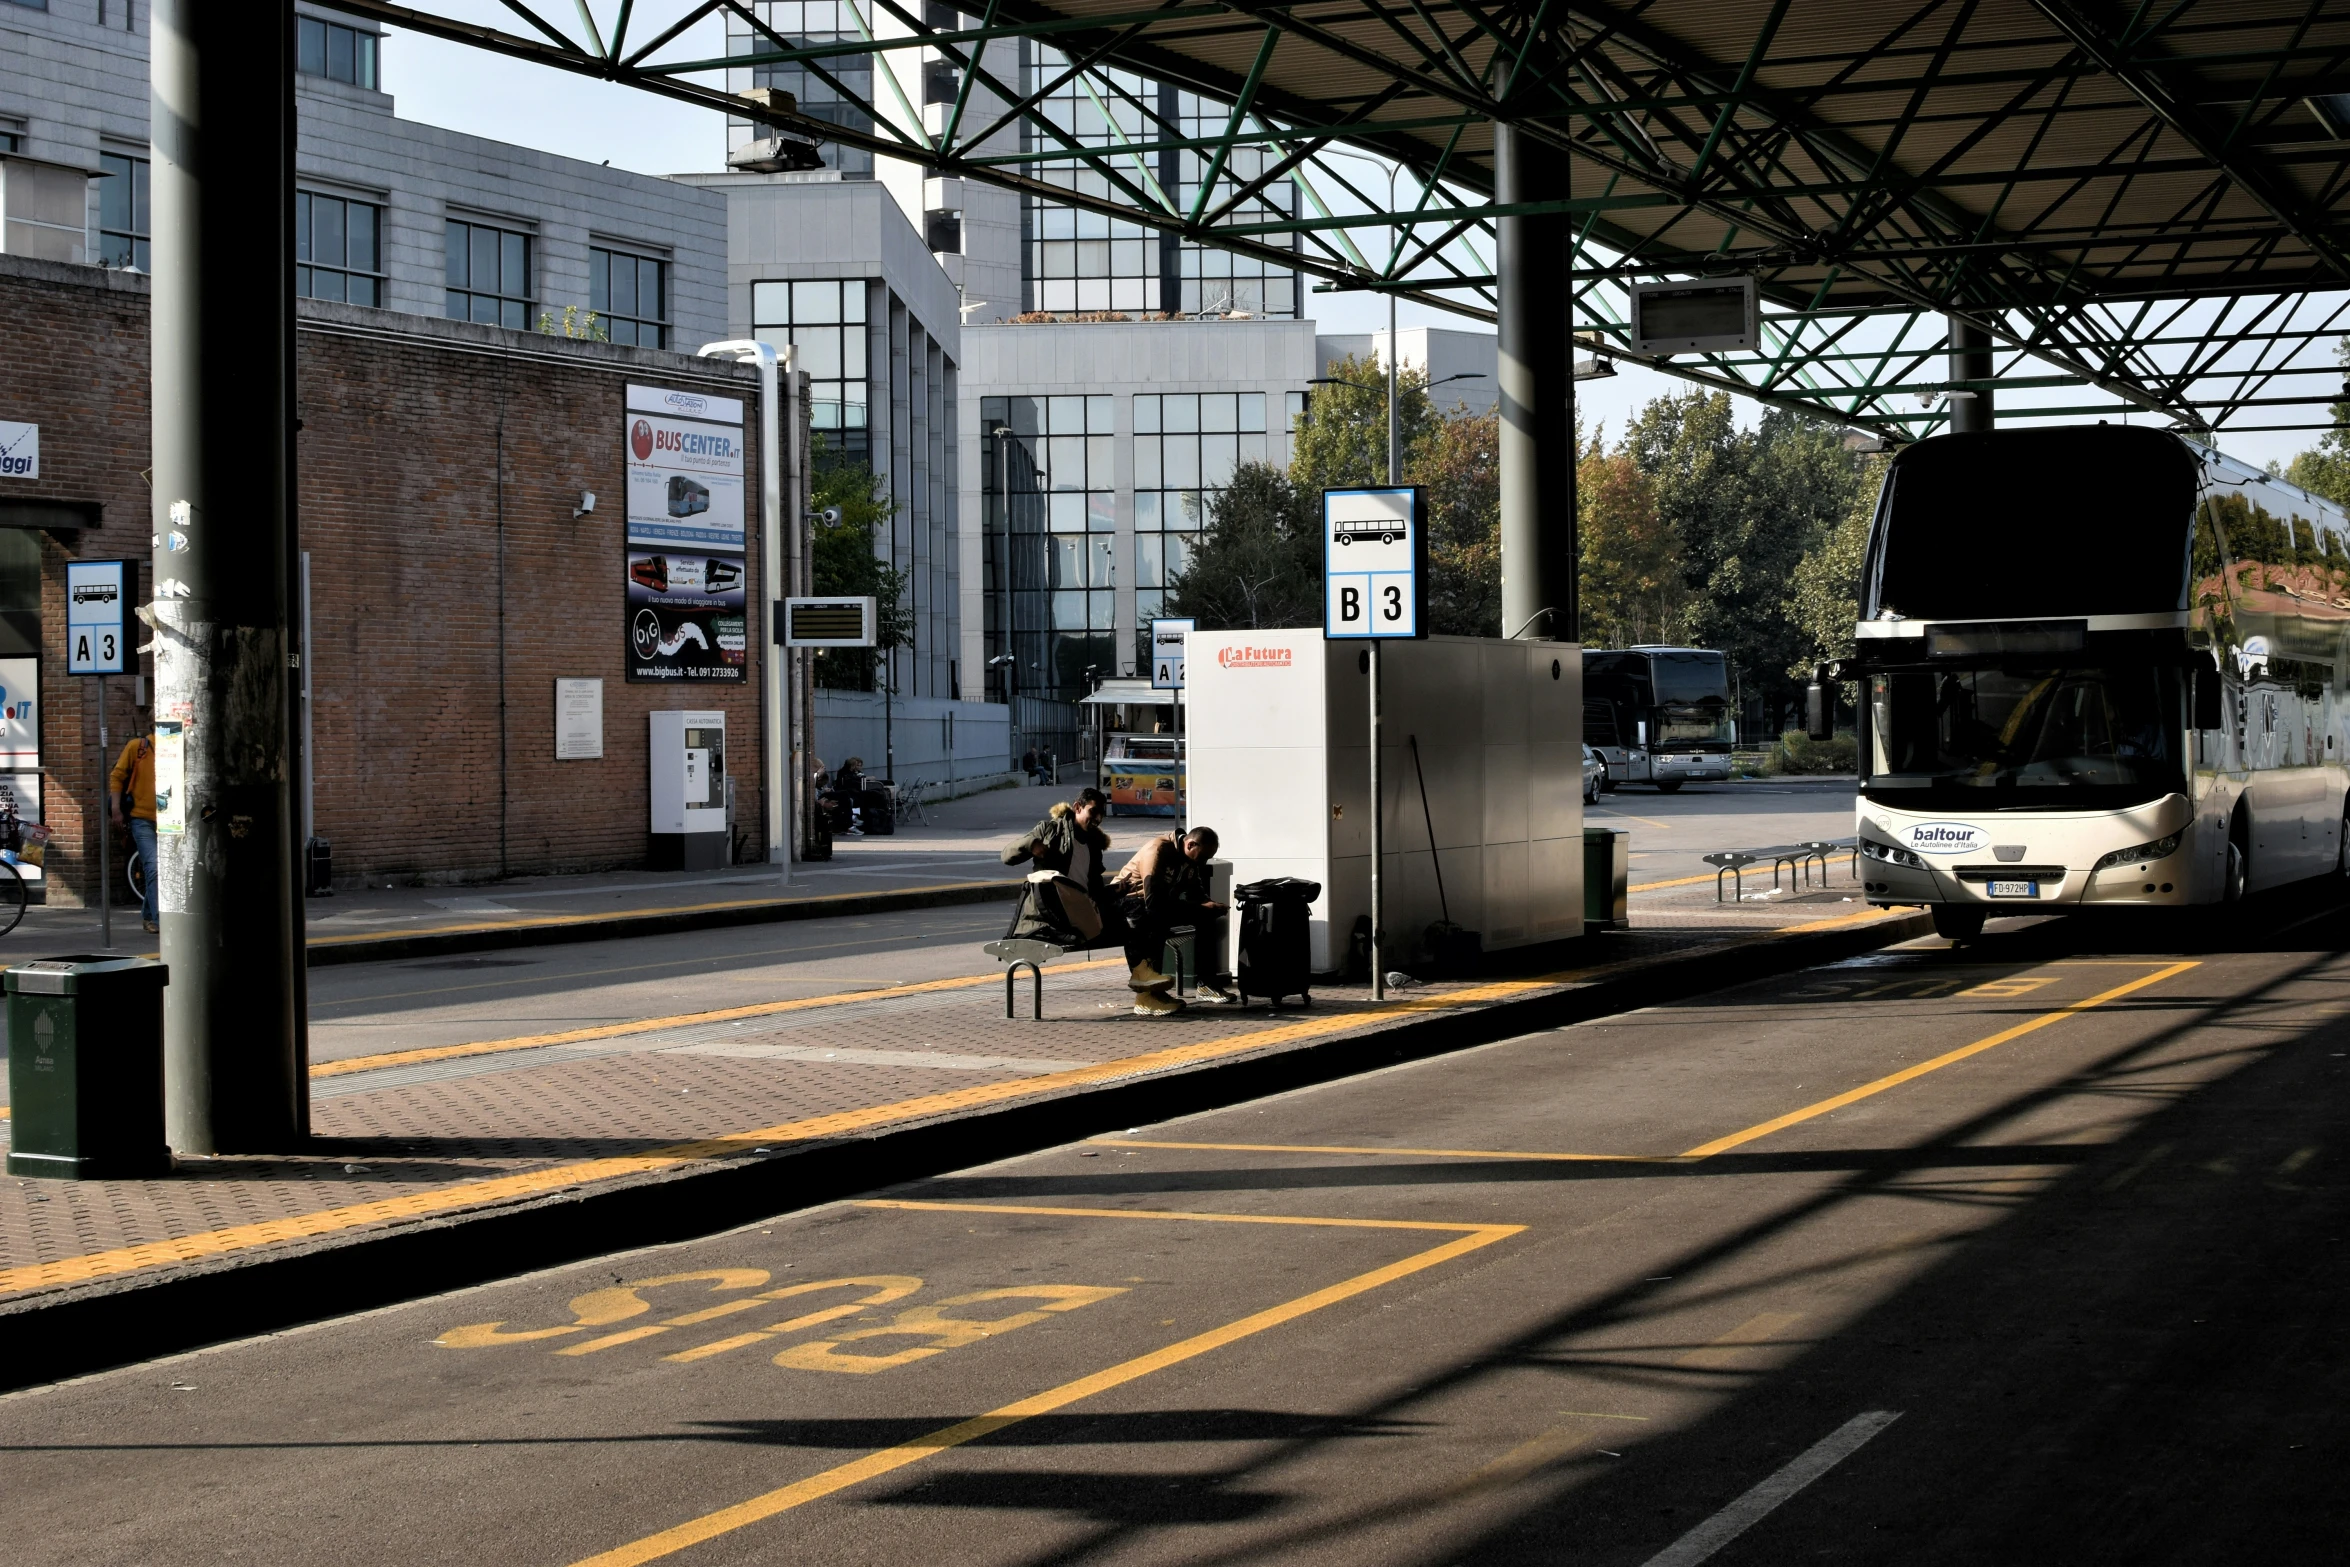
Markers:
{"x": 15, "y": 834}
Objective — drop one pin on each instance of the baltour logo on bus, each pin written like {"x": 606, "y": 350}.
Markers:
{"x": 1945, "y": 838}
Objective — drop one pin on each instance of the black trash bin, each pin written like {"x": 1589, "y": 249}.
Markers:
{"x": 85, "y": 1068}
{"x": 1276, "y": 939}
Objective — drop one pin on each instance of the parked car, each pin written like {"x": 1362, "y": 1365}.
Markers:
{"x": 1594, "y": 776}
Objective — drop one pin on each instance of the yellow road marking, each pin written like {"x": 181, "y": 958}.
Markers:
{"x": 649, "y": 1025}
{"x": 1421, "y": 1153}
{"x": 537, "y": 1183}
{"x": 1627, "y": 816}
{"x": 1732, "y": 1348}
{"x": 551, "y": 921}
{"x": 726, "y": 1520}
{"x": 1948, "y": 1058}
{"x": 1684, "y": 881}
{"x": 1703, "y": 1150}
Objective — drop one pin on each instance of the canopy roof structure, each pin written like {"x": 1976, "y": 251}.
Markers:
{"x": 2143, "y": 201}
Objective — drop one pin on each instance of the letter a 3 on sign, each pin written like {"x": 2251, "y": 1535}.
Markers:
{"x": 1374, "y": 563}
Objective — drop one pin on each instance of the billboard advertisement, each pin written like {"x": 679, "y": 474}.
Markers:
{"x": 686, "y": 616}
{"x": 685, "y": 595}
{"x": 685, "y": 482}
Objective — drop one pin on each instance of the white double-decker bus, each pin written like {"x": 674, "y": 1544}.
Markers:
{"x": 2098, "y": 665}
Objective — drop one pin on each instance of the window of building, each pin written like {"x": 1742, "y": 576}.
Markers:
{"x": 1217, "y": 282}
{"x": 1051, "y": 540}
{"x": 630, "y": 297}
{"x": 804, "y": 23}
{"x": 825, "y": 321}
{"x": 342, "y": 54}
{"x": 122, "y": 212}
{"x": 1186, "y": 445}
{"x": 11, "y": 135}
{"x": 488, "y": 275}
{"x": 1084, "y": 261}
{"x": 338, "y": 249}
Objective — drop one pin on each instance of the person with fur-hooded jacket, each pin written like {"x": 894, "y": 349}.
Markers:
{"x": 1070, "y": 841}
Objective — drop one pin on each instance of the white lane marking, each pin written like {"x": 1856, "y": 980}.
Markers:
{"x": 1756, "y": 1505}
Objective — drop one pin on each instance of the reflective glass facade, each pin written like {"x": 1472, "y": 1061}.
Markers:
{"x": 825, "y": 321}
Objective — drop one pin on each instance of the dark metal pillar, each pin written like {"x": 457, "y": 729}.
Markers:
{"x": 1970, "y": 360}
{"x": 235, "y": 1067}
{"x": 1538, "y": 549}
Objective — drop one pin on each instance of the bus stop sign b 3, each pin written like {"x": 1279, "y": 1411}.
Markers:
{"x": 1375, "y": 562}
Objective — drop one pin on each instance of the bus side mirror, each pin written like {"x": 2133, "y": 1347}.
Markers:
{"x": 2210, "y": 708}
{"x": 1819, "y": 705}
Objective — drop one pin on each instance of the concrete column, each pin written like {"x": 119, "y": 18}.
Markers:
{"x": 1970, "y": 360}
{"x": 235, "y": 1051}
{"x": 1538, "y": 549}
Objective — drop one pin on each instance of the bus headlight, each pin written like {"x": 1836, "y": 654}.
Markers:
{"x": 1873, "y": 850}
{"x": 2159, "y": 849}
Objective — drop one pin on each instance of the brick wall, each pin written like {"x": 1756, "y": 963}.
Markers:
{"x": 433, "y": 726}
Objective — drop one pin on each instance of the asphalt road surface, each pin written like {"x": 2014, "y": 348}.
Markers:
{"x": 2029, "y": 1251}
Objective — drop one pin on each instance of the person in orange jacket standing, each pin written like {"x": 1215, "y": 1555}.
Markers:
{"x": 132, "y": 783}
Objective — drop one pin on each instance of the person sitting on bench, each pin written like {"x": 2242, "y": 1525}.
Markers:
{"x": 1163, "y": 886}
{"x": 1070, "y": 841}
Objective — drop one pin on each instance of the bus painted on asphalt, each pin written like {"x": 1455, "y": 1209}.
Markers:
{"x": 2098, "y": 666}
{"x": 1658, "y": 715}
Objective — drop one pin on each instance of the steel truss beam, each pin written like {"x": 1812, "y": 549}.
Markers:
{"x": 1775, "y": 157}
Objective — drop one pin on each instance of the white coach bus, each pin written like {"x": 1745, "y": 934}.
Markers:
{"x": 2097, "y": 665}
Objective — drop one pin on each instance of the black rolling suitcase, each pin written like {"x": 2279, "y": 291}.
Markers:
{"x": 1276, "y": 939}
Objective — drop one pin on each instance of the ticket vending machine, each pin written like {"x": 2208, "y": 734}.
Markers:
{"x": 688, "y": 826}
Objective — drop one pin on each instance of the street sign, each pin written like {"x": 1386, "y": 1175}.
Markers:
{"x": 829, "y": 622}
{"x": 1167, "y": 638}
{"x": 1374, "y": 563}
{"x": 98, "y": 616}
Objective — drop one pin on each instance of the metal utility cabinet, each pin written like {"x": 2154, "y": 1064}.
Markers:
{"x": 688, "y": 792}
{"x": 1279, "y": 766}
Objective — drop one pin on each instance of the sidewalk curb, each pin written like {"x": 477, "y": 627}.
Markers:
{"x": 107, "y": 1324}
{"x": 560, "y": 930}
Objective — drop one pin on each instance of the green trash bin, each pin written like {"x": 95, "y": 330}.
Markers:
{"x": 85, "y": 1068}
{"x": 1607, "y": 873}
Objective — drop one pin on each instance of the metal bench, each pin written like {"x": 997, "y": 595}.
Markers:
{"x": 1027, "y": 952}
{"x": 1796, "y": 859}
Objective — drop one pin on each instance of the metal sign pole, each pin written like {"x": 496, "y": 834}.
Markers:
{"x": 105, "y": 831}
{"x": 1378, "y": 837}
{"x": 1375, "y": 587}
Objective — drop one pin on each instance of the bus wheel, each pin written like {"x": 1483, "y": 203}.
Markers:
{"x": 1668, "y": 785}
{"x": 2239, "y": 874}
{"x": 2342, "y": 843}
{"x": 1957, "y": 922}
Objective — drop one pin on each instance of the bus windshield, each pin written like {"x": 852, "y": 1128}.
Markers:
{"x": 2008, "y": 734}
{"x": 1678, "y": 726}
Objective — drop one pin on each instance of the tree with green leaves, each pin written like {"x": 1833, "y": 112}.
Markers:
{"x": 1824, "y": 604}
{"x": 2325, "y": 468}
{"x": 1634, "y": 584}
{"x": 1258, "y": 563}
{"x": 1747, "y": 507}
{"x": 844, "y": 565}
{"x": 1458, "y": 462}
{"x": 1341, "y": 438}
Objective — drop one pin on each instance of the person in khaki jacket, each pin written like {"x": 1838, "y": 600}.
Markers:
{"x": 1165, "y": 885}
{"x": 134, "y": 777}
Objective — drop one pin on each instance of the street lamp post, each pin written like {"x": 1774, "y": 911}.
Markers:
{"x": 1010, "y": 659}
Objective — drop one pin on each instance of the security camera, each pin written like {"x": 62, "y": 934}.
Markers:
{"x": 587, "y": 503}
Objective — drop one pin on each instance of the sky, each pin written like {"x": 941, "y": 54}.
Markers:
{"x": 470, "y": 90}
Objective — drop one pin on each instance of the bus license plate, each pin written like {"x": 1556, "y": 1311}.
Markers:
{"x": 2014, "y": 889}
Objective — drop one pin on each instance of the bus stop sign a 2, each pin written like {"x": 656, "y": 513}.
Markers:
{"x": 1374, "y": 563}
